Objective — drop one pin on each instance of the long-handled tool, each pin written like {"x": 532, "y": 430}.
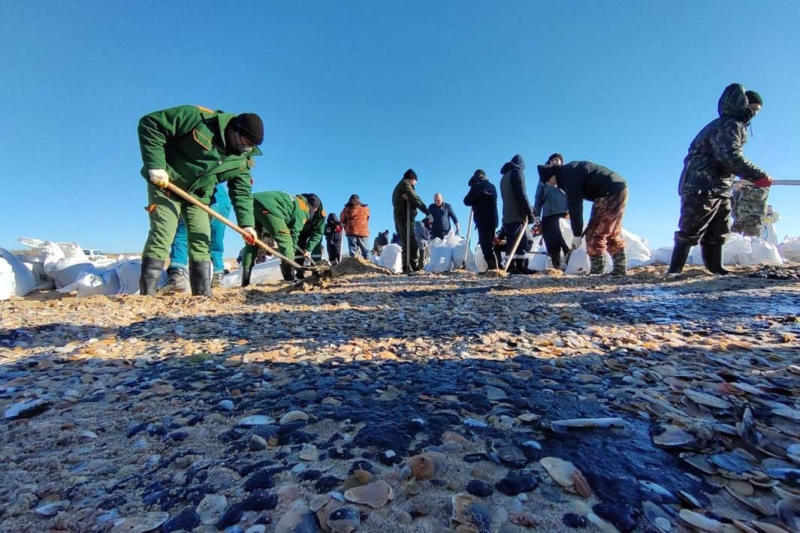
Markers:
{"x": 408, "y": 237}
{"x": 466, "y": 248}
{"x": 744, "y": 183}
{"x": 197, "y": 203}
{"x": 516, "y": 244}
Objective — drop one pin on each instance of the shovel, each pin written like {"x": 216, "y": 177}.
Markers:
{"x": 177, "y": 191}
{"x": 516, "y": 244}
{"x": 466, "y": 249}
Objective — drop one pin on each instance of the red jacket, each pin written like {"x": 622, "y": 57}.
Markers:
{"x": 355, "y": 219}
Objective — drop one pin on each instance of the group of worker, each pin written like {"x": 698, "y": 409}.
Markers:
{"x": 197, "y": 150}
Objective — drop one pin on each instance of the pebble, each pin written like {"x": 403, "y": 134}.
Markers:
{"x": 293, "y": 416}
{"x": 28, "y": 409}
{"x": 479, "y": 488}
{"x": 52, "y": 509}
{"x": 186, "y": 520}
{"x": 344, "y": 520}
{"x": 211, "y": 508}
{"x": 256, "y": 420}
{"x": 226, "y": 405}
{"x": 140, "y": 523}
{"x": 514, "y": 483}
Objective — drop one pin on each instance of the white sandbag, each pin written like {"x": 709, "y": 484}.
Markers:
{"x": 662, "y": 256}
{"x": 16, "y": 278}
{"x": 92, "y": 282}
{"x": 765, "y": 253}
{"x": 64, "y": 262}
{"x": 790, "y": 249}
{"x": 580, "y": 265}
{"x": 539, "y": 261}
{"x": 268, "y": 271}
{"x": 737, "y": 251}
{"x": 566, "y": 230}
{"x": 43, "y": 281}
{"x": 392, "y": 258}
{"x": 696, "y": 256}
{"x": 480, "y": 264}
{"x": 441, "y": 253}
{"x": 637, "y": 250}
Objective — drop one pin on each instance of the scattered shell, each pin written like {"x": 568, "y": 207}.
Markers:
{"x": 376, "y": 494}
{"x": 561, "y": 471}
{"x": 140, "y": 523}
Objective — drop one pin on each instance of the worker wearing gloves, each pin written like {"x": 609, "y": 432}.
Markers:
{"x": 282, "y": 216}
{"x": 194, "y": 148}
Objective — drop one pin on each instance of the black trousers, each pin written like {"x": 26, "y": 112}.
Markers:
{"x": 485, "y": 239}
{"x": 553, "y": 239}
{"x": 703, "y": 219}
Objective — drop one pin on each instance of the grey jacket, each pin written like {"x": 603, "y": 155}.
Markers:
{"x": 550, "y": 201}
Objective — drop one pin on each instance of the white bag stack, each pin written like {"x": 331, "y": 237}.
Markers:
{"x": 790, "y": 249}
{"x": 15, "y": 278}
{"x": 637, "y": 250}
{"x": 392, "y": 258}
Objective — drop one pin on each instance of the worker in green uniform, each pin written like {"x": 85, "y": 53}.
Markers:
{"x": 282, "y": 216}
{"x": 194, "y": 148}
{"x": 405, "y": 200}
{"x": 310, "y": 239}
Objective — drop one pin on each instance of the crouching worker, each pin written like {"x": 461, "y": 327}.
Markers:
{"x": 309, "y": 244}
{"x": 195, "y": 149}
{"x": 608, "y": 192}
{"x": 281, "y": 216}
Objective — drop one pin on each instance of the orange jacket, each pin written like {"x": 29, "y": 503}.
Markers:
{"x": 355, "y": 219}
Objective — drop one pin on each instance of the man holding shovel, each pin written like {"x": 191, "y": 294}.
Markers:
{"x": 194, "y": 148}
{"x": 405, "y": 202}
{"x": 517, "y": 213}
{"x": 482, "y": 198}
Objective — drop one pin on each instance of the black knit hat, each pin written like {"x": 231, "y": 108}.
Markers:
{"x": 753, "y": 98}
{"x": 250, "y": 126}
{"x": 561, "y": 157}
{"x": 410, "y": 175}
{"x": 476, "y": 177}
{"x": 313, "y": 200}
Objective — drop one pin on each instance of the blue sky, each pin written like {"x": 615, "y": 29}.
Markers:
{"x": 354, "y": 93}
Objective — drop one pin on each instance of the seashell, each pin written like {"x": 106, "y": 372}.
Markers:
{"x": 743, "y": 488}
{"x": 590, "y": 423}
{"x": 581, "y": 485}
{"x": 706, "y": 399}
{"x": 787, "y": 412}
{"x": 763, "y": 503}
{"x": 701, "y": 463}
{"x": 789, "y": 514}
{"x": 768, "y": 528}
{"x": 701, "y": 522}
{"x": 674, "y": 437}
{"x": 561, "y": 471}
{"x": 601, "y": 524}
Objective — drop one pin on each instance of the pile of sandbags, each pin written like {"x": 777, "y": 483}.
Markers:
{"x": 15, "y": 278}
{"x": 740, "y": 251}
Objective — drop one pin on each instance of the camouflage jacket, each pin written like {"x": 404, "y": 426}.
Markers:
{"x": 715, "y": 155}
{"x": 749, "y": 202}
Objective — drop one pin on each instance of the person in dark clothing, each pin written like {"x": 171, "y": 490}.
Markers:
{"x": 380, "y": 241}
{"x": 405, "y": 202}
{"x": 608, "y": 192}
{"x": 715, "y": 157}
{"x": 482, "y": 198}
{"x": 499, "y": 245}
{"x": 550, "y": 206}
{"x": 309, "y": 243}
{"x": 442, "y": 213}
{"x": 333, "y": 238}
{"x": 517, "y": 212}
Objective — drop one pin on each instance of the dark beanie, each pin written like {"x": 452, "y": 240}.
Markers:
{"x": 476, "y": 177}
{"x": 410, "y": 175}
{"x": 561, "y": 157}
{"x": 546, "y": 172}
{"x": 249, "y": 125}
{"x": 313, "y": 200}
{"x": 754, "y": 98}
{"x": 354, "y": 199}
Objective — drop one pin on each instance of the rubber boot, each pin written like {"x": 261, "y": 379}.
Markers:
{"x": 177, "y": 281}
{"x": 521, "y": 266}
{"x": 712, "y": 258}
{"x": 597, "y": 264}
{"x": 679, "y": 256}
{"x": 200, "y": 277}
{"x": 288, "y": 271}
{"x": 491, "y": 261}
{"x": 620, "y": 264}
{"x": 151, "y": 271}
{"x": 246, "y": 271}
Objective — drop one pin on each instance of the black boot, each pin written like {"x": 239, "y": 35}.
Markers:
{"x": 288, "y": 271}
{"x": 151, "y": 271}
{"x": 491, "y": 262}
{"x": 246, "y": 271}
{"x": 679, "y": 256}
{"x": 200, "y": 277}
{"x": 712, "y": 258}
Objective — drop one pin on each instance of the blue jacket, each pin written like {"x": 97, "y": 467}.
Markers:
{"x": 550, "y": 201}
{"x": 482, "y": 197}
{"x": 441, "y": 217}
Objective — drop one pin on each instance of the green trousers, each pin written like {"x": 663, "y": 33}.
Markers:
{"x": 415, "y": 259}
{"x": 165, "y": 210}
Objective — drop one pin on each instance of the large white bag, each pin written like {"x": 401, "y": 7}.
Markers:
{"x": 120, "y": 277}
{"x": 269, "y": 270}
{"x": 441, "y": 256}
{"x": 15, "y": 278}
{"x": 539, "y": 261}
{"x": 459, "y": 248}
{"x": 480, "y": 264}
{"x": 790, "y": 249}
{"x": 637, "y": 250}
{"x": 579, "y": 263}
{"x": 737, "y": 251}
{"x": 64, "y": 262}
{"x": 392, "y": 258}
{"x": 765, "y": 253}
{"x": 662, "y": 256}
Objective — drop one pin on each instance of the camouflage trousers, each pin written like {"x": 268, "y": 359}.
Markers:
{"x": 703, "y": 219}
{"x": 749, "y": 226}
{"x": 749, "y": 207}
{"x": 604, "y": 230}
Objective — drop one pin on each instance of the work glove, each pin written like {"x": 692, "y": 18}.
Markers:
{"x": 246, "y": 276}
{"x": 251, "y": 236}
{"x": 763, "y": 183}
{"x": 158, "y": 177}
{"x": 306, "y": 254}
{"x": 576, "y": 242}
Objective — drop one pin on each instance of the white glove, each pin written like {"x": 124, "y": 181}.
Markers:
{"x": 576, "y": 242}
{"x": 251, "y": 235}
{"x": 158, "y": 177}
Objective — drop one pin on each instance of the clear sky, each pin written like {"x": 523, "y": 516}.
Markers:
{"x": 354, "y": 93}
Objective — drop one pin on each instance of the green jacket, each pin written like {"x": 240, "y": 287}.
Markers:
{"x": 189, "y": 142}
{"x": 282, "y": 216}
{"x": 405, "y": 187}
{"x": 313, "y": 230}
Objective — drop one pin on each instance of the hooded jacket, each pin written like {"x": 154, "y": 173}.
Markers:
{"x": 355, "y": 219}
{"x": 482, "y": 198}
{"x": 516, "y": 207}
{"x": 333, "y": 229}
{"x": 314, "y": 228}
{"x": 582, "y": 180}
{"x": 715, "y": 155}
